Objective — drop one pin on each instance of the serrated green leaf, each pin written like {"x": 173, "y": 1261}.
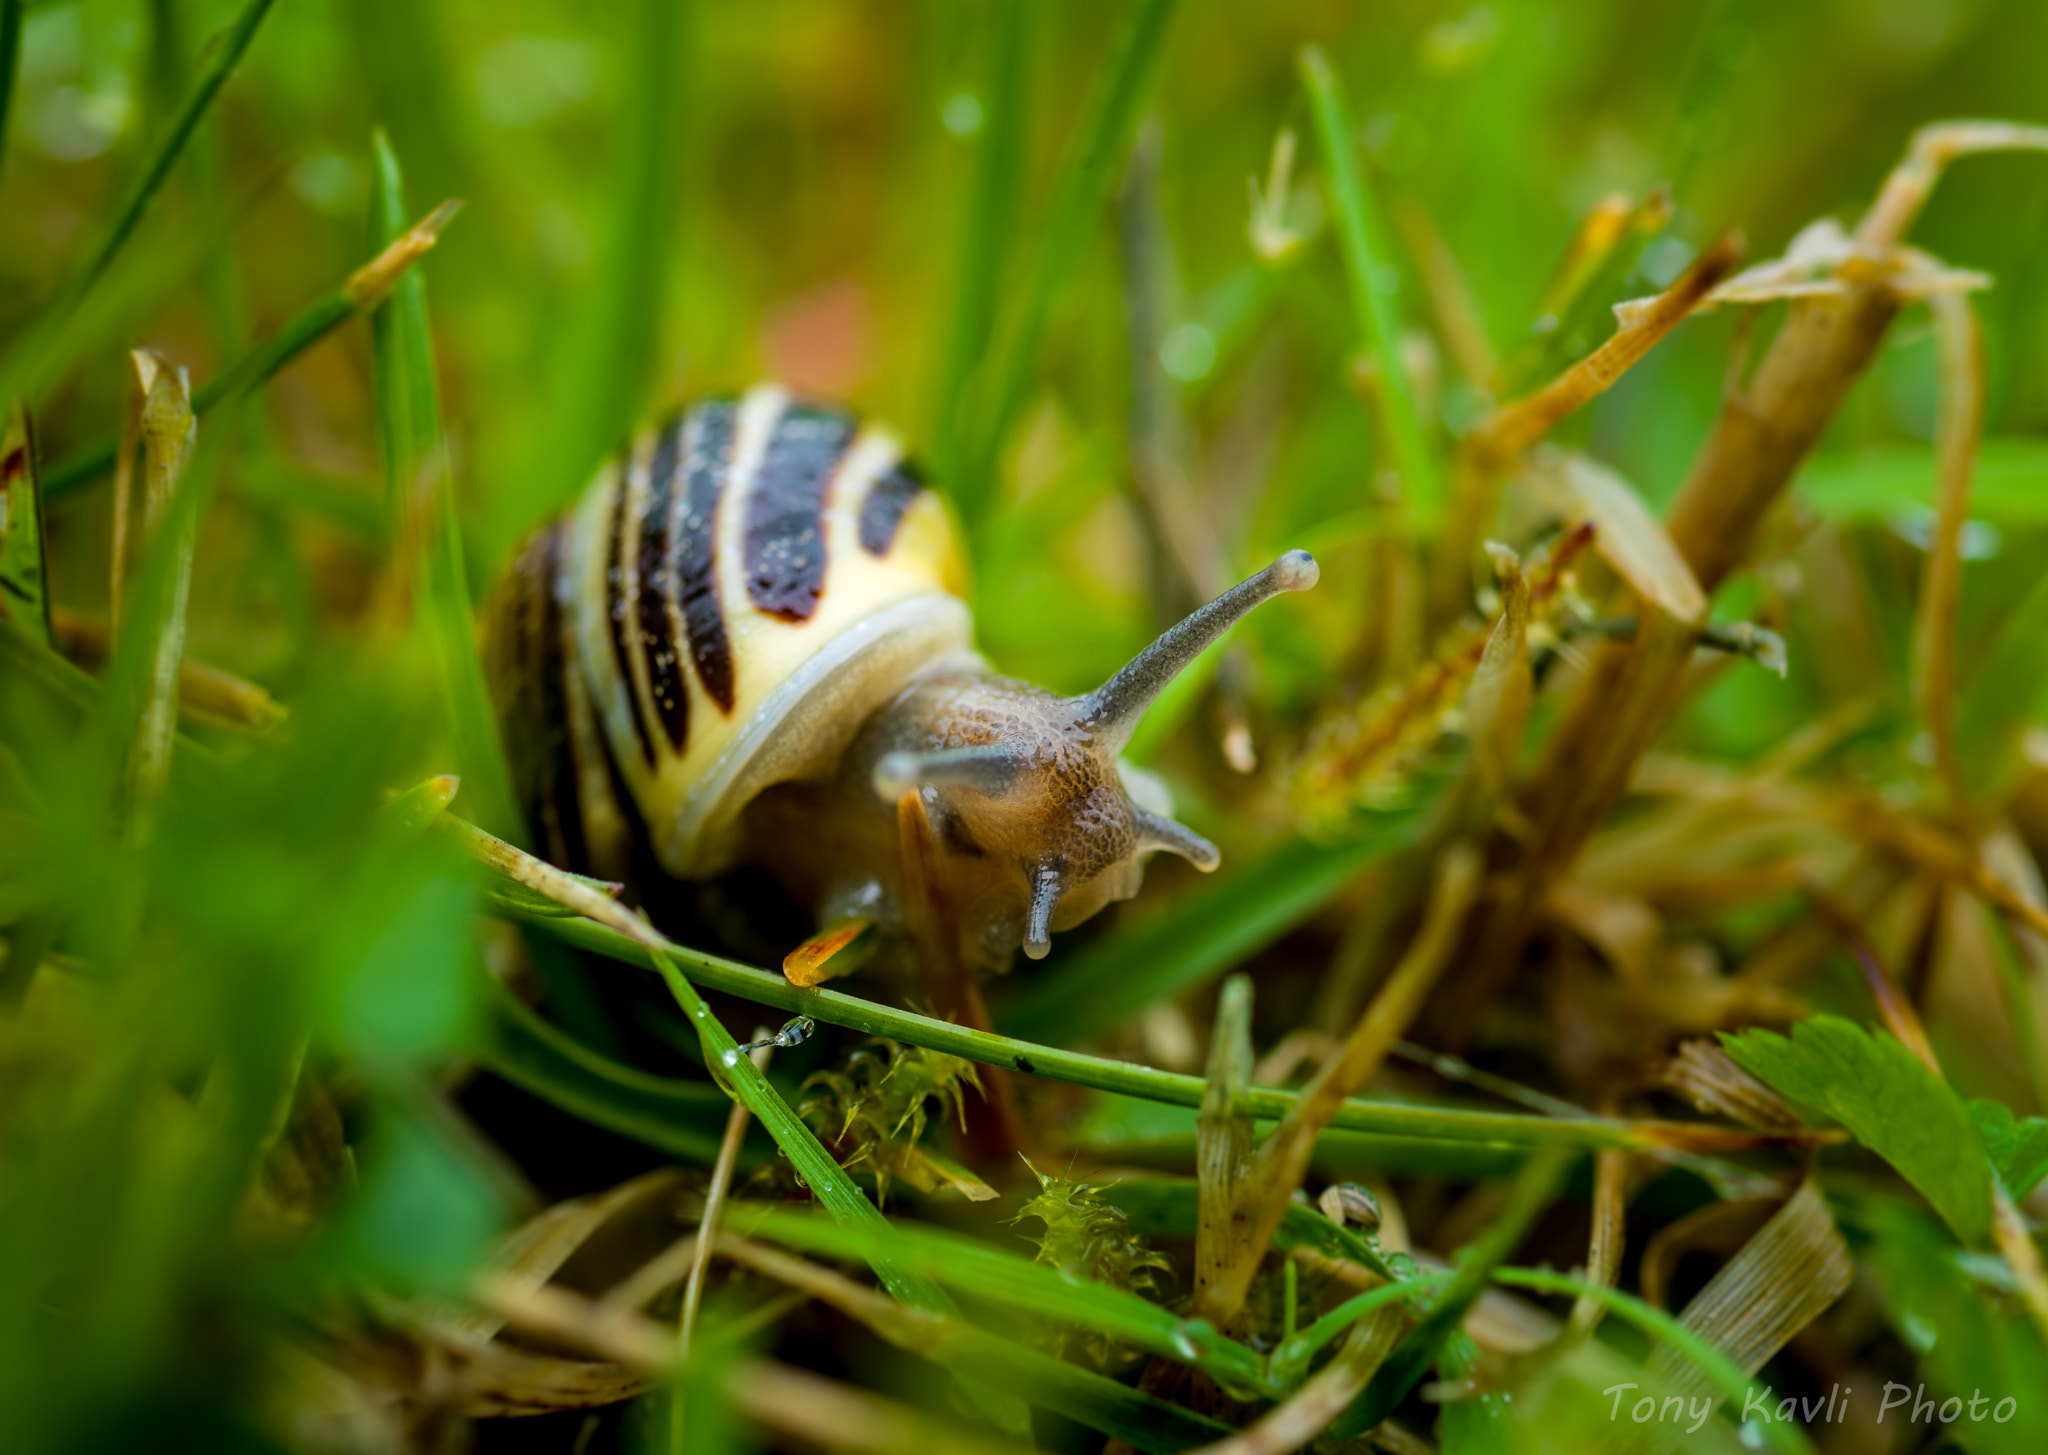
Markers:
{"x": 1889, "y": 1102}
{"x": 2018, "y": 1147}
{"x": 1971, "y": 1340}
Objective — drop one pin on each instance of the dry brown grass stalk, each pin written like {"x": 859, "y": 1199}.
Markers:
{"x": 1762, "y": 433}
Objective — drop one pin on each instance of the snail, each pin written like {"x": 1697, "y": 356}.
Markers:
{"x": 747, "y": 645}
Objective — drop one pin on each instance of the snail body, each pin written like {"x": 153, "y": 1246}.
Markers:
{"x": 746, "y": 645}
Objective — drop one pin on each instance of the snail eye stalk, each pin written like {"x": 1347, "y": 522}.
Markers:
{"x": 1111, "y": 711}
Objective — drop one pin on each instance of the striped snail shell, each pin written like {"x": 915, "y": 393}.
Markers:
{"x": 746, "y": 645}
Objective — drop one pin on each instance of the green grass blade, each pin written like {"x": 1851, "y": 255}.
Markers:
{"x": 35, "y": 360}
{"x": 1369, "y": 267}
{"x": 608, "y": 362}
{"x": 1019, "y": 1283}
{"x": 1119, "y": 974}
{"x": 10, "y": 63}
{"x": 409, "y": 410}
{"x": 1142, "y": 1421}
{"x": 1531, "y": 1192}
{"x": 24, "y": 576}
{"x": 991, "y": 218}
{"x": 250, "y": 371}
{"x": 1166, "y": 1208}
{"x": 1882, "y": 484}
{"x": 827, "y": 1180}
{"x": 1086, "y": 176}
{"x": 2003, "y": 697}
{"x": 683, "y": 1118}
{"x": 1395, "y": 1119}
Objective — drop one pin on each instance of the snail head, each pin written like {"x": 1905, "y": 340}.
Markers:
{"x": 1038, "y": 823}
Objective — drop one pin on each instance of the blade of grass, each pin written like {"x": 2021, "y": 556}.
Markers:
{"x": 608, "y": 363}
{"x": 361, "y": 292}
{"x": 77, "y": 693}
{"x": 409, "y": 411}
{"x": 1291, "y": 1358}
{"x": 10, "y": 59}
{"x": 742, "y": 1080}
{"x": 1086, "y": 175}
{"x": 671, "y": 1115}
{"x": 1530, "y": 1194}
{"x": 33, "y": 361}
{"x": 1282, "y": 1159}
{"x": 169, "y": 431}
{"x": 829, "y": 1184}
{"x": 1015, "y": 1282}
{"x": 1369, "y": 267}
{"x": 1119, "y": 974}
{"x": 1959, "y": 421}
{"x": 1166, "y": 1208}
{"x": 1140, "y": 1420}
{"x": 24, "y": 578}
{"x": 827, "y": 1180}
{"x": 1500, "y": 1129}
{"x": 991, "y": 220}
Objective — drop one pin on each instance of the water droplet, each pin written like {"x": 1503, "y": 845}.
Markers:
{"x": 729, "y": 1057}
{"x": 1188, "y": 352}
{"x": 961, "y": 114}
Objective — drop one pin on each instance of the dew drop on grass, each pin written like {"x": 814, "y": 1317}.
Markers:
{"x": 961, "y": 114}
{"x": 729, "y": 1057}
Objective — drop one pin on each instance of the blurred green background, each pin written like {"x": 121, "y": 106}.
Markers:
{"x": 664, "y": 200}
{"x": 810, "y": 165}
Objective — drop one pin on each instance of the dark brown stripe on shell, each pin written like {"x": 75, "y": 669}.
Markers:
{"x": 881, "y": 510}
{"x": 785, "y": 530}
{"x": 655, "y": 589}
{"x": 709, "y": 463}
{"x": 616, "y": 604}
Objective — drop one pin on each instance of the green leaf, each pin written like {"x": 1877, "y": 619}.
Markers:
{"x": 1731, "y": 1384}
{"x": 24, "y": 580}
{"x": 425, "y": 1215}
{"x": 1482, "y": 1425}
{"x": 1119, "y": 974}
{"x": 2018, "y": 1148}
{"x": 1888, "y": 1100}
{"x": 1971, "y": 1337}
